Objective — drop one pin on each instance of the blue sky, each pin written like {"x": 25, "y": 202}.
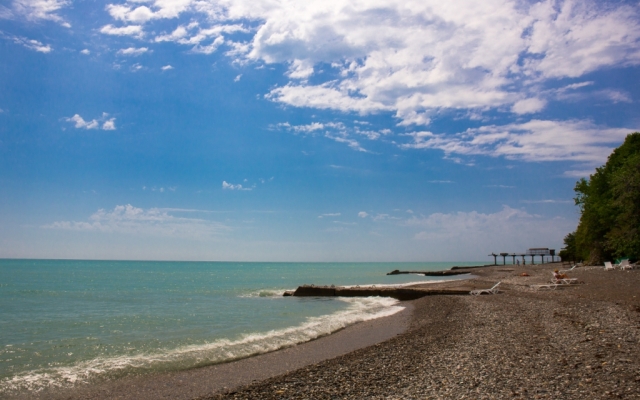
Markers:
{"x": 283, "y": 130}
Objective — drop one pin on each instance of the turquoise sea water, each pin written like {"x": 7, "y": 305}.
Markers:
{"x": 64, "y": 322}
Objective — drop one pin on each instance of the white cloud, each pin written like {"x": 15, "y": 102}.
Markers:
{"x": 417, "y": 57}
{"x": 237, "y": 78}
{"x": 167, "y": 67}
{"x": 581, "y": 173}
{"x": 137, "y": 15}
{"x": 326, "y": 96}
{"x": 178, "y": 34}
{"x": 536, "y": 140}
{"x": 363, "y": 214}
{"x": 141, "y": 13}
{"x": 528, "y": 106}
{"x": 80, "y": 123}
{"x": 35, "y": 10}
{"x": 137, "y": 221}
{"x": 33, "y": 44}
{"x": 210, "y": 48}
{"x": 300, "y": 69}
{"x": 578, "y": 85}
{"x": 615, "y": 96}
{"x": 341, "y": 137}
{"x": 440, "y": 181}
{"x": 109, "y": 125}
{"x": 576, "y": 37}
{"x": 547, "y": 201}
{"x": 370, "y": 134}
{"x": 193, "y": 35}
{"x": 133, "y": 51}
{"x": 308, "y": 128}
{"x": 5, "y": 13}
{"x": 230, "y": 186}
{"x": 329, "y": 215}
{"x": 130, "y": 30}
{"x": 414, "y": 58}
{"x": 508, "y": 230}
{"x": 335, "y": 131}
{"x": 382, "y": 217}
{"x": 86, "y": 52}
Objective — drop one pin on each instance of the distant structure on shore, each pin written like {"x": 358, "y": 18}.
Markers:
{"x": 534, "y": 251}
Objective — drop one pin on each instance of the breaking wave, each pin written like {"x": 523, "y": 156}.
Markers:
{"x": 217, "y": 351}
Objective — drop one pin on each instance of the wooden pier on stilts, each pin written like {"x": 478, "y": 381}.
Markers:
{"x": 534, "y": 251}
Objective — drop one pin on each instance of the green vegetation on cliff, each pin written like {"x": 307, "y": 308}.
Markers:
{"x": 609, "y": 204}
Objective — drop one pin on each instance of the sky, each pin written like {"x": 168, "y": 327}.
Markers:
{"x": 281, "y": 130}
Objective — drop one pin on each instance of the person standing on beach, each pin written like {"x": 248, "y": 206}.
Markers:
{"x": 518, "y": 263}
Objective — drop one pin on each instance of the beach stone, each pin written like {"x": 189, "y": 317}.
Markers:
{"x": 357, "y": 292}
{"x": 312, "y": 290}
{"x": 579, "y": 342}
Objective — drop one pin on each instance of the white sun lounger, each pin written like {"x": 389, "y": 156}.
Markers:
{"x": 493, "y": 290}
{"x": 570, "y": 269}
{"x": 608, "y": 266}
{"x": 549, "y": 286}
{"x": 624, "y": 264}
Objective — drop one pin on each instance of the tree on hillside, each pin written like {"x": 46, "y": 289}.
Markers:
{"x": 610, "y": 207}
{"x": 568, "y": 253}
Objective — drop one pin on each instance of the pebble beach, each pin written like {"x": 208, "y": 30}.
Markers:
{"x": 578, "y": 342}
{"x": 575, "y": 342}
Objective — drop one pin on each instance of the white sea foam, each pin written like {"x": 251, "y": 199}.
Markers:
{"x": 265, "y": 293}
{"x": 393, "y": 285}
{"x": 359, "y": 309}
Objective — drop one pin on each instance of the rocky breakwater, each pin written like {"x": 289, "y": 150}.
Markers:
{"x": 448, "y": 272}
{"x": 401, "y": 293}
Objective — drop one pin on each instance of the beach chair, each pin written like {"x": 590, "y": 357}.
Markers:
{"x": 493, "y": 290}
{"x": 608, "y": 266}
{"x": 624, "y": 264}
{"x": 563, "y": 281}
{"x": 570, "y": 269}
{"x": 548, "y": 286}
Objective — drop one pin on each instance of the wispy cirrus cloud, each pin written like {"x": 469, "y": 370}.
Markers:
{"x": 537, "y": 140}
{"x": 133, "y": 51}
{"x": 203, "y": 40}
{"x": 129, "y": 30}
{"x": 336, "y": 131}
{"x": 329, "y": 215}
{"x": 137, "y": 221}
{"x": 32, "y": 44}
{"x": 35, "y": 10}
{"x": 547, "y": 201}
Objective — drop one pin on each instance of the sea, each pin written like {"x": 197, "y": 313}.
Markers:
{"x": 70, "y": 322}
